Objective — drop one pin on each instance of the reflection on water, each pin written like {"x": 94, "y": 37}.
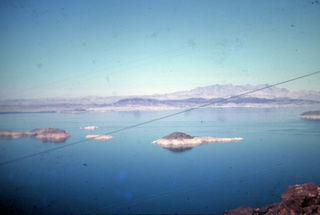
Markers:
{"x": 178, "y": 149}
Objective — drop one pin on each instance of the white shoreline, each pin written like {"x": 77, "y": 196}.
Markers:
{"x": 312, "y": 117}
{"x": 195, "y": 141}
{"x": 90, "y": 128}
{"x": 101, "y": 137}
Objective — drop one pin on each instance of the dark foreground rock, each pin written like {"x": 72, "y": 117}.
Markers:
{"x": 296, "y": 200}
{"x": 45, "y": 134}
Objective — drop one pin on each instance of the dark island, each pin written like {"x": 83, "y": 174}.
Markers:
{"x": 297, "y": 199}
{"x": 45, "y": 134}
{"x": 178, "y": 141}
{"x": 313, "y": 115}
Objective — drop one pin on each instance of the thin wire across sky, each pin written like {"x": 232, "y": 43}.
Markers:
{"x": 160, "y": 118}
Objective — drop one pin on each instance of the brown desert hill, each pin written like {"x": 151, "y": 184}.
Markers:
{"x": 177, "y": 136}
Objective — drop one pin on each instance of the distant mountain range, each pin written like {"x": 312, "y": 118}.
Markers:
{"x": 223, "y": 91}
{"x": 216, "y": 95}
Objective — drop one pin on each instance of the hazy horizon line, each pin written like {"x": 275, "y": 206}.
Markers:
{"x": 152, "y": 94}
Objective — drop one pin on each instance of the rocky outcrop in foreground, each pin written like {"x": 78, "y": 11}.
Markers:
{"x": 179, "y": 141}
{"x": 313, "y": 115}
{"x": 296, "y": 200}
{"x": 45, "y": 134}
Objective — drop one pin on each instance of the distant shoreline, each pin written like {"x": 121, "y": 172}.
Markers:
{"x": 211, "y": 96}
{"x": 155, "y": 109}
{"x": 24, "y": 112}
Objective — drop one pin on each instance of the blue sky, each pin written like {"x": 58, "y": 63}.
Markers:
{"x": 104, "y": 48}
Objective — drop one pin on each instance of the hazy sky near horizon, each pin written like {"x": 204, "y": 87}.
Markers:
{"x": 104, "y": 48}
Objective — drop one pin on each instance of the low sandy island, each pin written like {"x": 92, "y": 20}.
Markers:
{"x": 101, "y": 137}
{"x": 313, "y": 115}
{"x": 45, "y": 134}
{"x": 179, "y": 141}
{"x": 91, "y": 128}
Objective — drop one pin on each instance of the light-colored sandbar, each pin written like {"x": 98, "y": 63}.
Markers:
{"x": 312, "y": 117}
{"x": 193, "y": 142}
{"x": 91, "y": 127}
{"x": 99, "y": 137}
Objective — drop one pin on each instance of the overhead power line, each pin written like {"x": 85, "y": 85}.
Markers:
{"x": 160, "y": 118}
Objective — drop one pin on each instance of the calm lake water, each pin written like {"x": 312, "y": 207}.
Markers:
{"x": 130, "y": 175}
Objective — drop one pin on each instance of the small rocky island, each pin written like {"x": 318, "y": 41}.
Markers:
{"x": 297, "y": 199}
{"x": 101, "y": 137}
{"x": 90, "y": 128}
{"x": 178, "y": 141}
{"x": 313, "y": 115}
{"x": 45, "y": 134}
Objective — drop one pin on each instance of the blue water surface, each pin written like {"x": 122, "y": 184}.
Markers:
{"x": 130, "y": 175}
